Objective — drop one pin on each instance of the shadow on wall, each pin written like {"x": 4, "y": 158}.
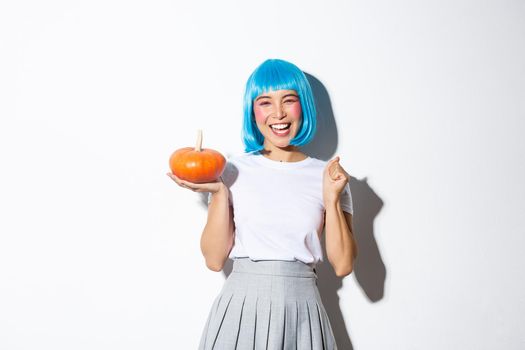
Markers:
{"x": 369, "y": 269}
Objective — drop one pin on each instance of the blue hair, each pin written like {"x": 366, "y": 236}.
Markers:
{"x": 271, "y": 75}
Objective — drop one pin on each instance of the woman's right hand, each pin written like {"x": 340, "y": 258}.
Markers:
{"x": 212, "y": 187}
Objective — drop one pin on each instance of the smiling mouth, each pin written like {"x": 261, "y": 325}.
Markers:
{"x": 280, "y": 127}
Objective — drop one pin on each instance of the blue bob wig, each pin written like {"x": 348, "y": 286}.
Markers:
{"x": 271, "y": 75}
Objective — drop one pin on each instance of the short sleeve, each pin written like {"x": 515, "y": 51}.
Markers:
{"x": 346, "y": 200}
{"x": 226, "y": 176}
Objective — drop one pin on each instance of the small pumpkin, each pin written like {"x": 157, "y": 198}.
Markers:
{"x": 198, "y": 165}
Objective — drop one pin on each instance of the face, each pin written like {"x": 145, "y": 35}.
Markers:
{"x": 278, "y": 116}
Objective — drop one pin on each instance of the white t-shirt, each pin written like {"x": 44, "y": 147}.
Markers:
{"x": 278, "y": 207}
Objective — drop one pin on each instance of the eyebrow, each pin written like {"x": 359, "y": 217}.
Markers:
{"x": 287, "y": 95}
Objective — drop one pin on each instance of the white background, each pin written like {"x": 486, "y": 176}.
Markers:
{"x": 99, "y": 249}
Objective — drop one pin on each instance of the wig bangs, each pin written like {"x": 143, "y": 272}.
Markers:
{"x": 272, "y": 78}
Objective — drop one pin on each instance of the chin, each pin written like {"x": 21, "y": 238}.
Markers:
{"x": 283, "y": 145}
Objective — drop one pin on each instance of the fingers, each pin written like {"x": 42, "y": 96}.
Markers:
{"x": 332, "y": 167}
{"x": 182, "y": 183}
{"x": 335, "y": 170}
{"x": 195, "y": 187}
{"x": 175, "y": 178}
{"x": 333, "y": 161}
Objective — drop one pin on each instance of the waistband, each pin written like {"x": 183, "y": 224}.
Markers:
{"x": 274, "y": 267}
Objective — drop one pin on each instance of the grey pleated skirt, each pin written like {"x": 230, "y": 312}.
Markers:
{"x": 270, "y": 305}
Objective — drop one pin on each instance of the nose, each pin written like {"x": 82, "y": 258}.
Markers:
{"x": 280, "y": 113}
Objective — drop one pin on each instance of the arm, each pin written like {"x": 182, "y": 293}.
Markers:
{"x": 341, "y": 247}
{"x": 217, "y": 236}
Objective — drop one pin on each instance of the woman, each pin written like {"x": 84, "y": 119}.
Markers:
{"x": 267, "y": 213}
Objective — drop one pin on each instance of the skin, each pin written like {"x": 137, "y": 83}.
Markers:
{"x": 281, "y": 106}
{"x": 275, "y": 107}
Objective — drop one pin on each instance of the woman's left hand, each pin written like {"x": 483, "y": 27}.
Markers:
{"x": 335, "y": 179}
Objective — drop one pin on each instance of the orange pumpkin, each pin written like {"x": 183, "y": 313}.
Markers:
{"x": 198, "y": 165}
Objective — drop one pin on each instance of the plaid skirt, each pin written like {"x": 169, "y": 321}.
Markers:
{"x": 270, "y": 305}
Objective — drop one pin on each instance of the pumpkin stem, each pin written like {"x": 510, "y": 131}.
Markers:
{"x": 198, "y": 147}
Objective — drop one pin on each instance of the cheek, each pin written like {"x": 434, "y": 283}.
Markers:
{"x": 260, "y": 116}
{"x": 295, "y": 111}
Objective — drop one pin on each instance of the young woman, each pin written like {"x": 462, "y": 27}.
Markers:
{"x": 267, "y": 213}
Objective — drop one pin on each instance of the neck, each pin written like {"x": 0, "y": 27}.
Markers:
{"x": 285, "y": 154}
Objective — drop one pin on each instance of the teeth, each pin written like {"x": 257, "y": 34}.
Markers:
{"x": 280, "y": 126}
